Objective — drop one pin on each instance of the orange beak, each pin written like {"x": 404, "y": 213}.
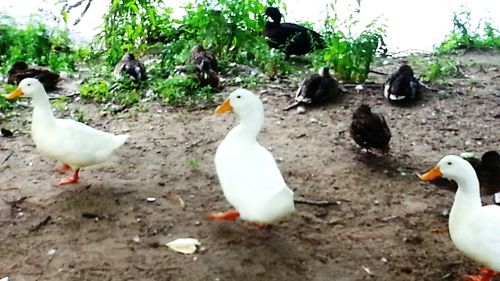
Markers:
{"x": 17, "y": 93}
{"x": 432, "y": 174}
{"x": 224, "y": 107}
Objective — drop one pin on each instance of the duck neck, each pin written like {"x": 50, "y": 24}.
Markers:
{"x": 249, "y": 127}
{"x": 42, "y": 112}
{"x": 467, "y": 197}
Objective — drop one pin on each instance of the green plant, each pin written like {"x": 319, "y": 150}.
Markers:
{"x": 464, "y": 37}
{"x": 194, "y": 164}
{"x": 347, "y": 55}
{"x": 437, "y": 68}
{"x": 103, "y": 87}
{"x": 35, "y": 43}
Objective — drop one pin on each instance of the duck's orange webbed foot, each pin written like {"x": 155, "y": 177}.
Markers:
{"x": 224, "y": 216}
{"x": 73, "y": 179}
{"x": 485, "y": 275}
{"x": 64, "y": 168}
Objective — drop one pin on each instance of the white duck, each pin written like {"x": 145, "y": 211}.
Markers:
{"x": 248, "y": 173}
{"x": 75, "y": 144}
{"x": 474, "y": 229}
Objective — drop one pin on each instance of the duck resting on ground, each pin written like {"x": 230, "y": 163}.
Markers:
{"x": 474, "y": 229}
{"x": 249, "y": 176}
{"x": 487, "y": 169}
{"x": 129, "y": 65}
{"x": 205, "y": 75}
{"x": 316, "y": 89}
{"x": 75, "y": 144}
{"x": 369, "y": 130}
{"x": 402, "y": 86}
{"x": 200, "y": 54}
{"x": 292, "y": 38}
{"x": 21, "y": 70}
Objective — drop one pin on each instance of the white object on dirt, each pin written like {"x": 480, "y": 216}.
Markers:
{"x": 151, "y": 199}
{"x": 301, "y": 109}
{"x": 5, "y": 279}
{"x": 467, "y": 154}
{"x": 184, "y": 245}
{"x": 51, "y": 252}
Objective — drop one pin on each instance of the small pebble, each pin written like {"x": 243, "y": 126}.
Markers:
{"x": 51, "y": 252}
{"x": 136, "y": 239}
{"x": 151, "y": 199}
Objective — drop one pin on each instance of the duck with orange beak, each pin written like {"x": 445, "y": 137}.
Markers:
{"x": 249, "y": 176}
{"x": 75, "y": 144}
{"x": 474, "y": 229}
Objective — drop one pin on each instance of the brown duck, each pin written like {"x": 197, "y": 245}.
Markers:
{"x": 205, "y": 75}
{"x": 316, "y": 89}
{"x": 21, "y": 70}
{"x": 369, "y": 130}
{"x": 199, "y": 54}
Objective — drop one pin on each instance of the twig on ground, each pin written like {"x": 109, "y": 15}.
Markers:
{"x": 322, "y": 203}
{"x": 41, "y": 224}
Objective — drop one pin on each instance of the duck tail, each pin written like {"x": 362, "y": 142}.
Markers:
{"x": 119, "y": 140}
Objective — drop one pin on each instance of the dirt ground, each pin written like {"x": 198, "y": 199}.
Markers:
{"x": 384, "y": 224}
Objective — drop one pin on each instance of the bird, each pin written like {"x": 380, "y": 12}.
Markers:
{"x": 369, "y": 130}
{"x": 316, "y": 89}
{"x": 129, "y": 65}
{"x": 249, "y": 176}
{"x": 205, "y": 75}
{"x": 487, "y": 169}
{"x": 75, "y": 144}
{"x": 200, "y": 54}
{"x": 474, "y": 229}
{"x": 21, "y": 70}
{"x": 402, "y": 86}
{"x": 292, "y": 39}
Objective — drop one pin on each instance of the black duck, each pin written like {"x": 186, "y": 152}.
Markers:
{"x": 129, "y": 65}
{"x": 402, "y": 86}
{"x": 292, "y": 38}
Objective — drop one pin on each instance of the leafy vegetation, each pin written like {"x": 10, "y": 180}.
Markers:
{"x": 232, "y": 30}
{"x": 35, "y": 43}
{"x": 350, "y": 56}
{"x": 463, "y": 37}
{"x": 436, "y": 67}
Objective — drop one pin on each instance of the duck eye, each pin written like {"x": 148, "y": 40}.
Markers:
{"x": 28, "y": 84}
{"x": 238, "y": 97}
{"x": 449, "y": 163}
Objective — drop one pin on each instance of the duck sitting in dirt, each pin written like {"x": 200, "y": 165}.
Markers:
{"x": 21, "y": 70}
{"x": 474, "y": 228}
{"x": 487, "y": 170}
{"x": 75, "y": 144}
{"x": 248, "y": 173}
{"x": 129, "y": 65}
{"x": 200, "y": 54}
{"x": 316, "y": 89}
{"x": 402, "y": 86}
{"x": 292, "y": 38}
{"x": 205, "y": 75}
{"x": 369, "y": 130}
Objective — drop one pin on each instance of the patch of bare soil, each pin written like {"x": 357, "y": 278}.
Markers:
{"x": 384, "y": 224}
